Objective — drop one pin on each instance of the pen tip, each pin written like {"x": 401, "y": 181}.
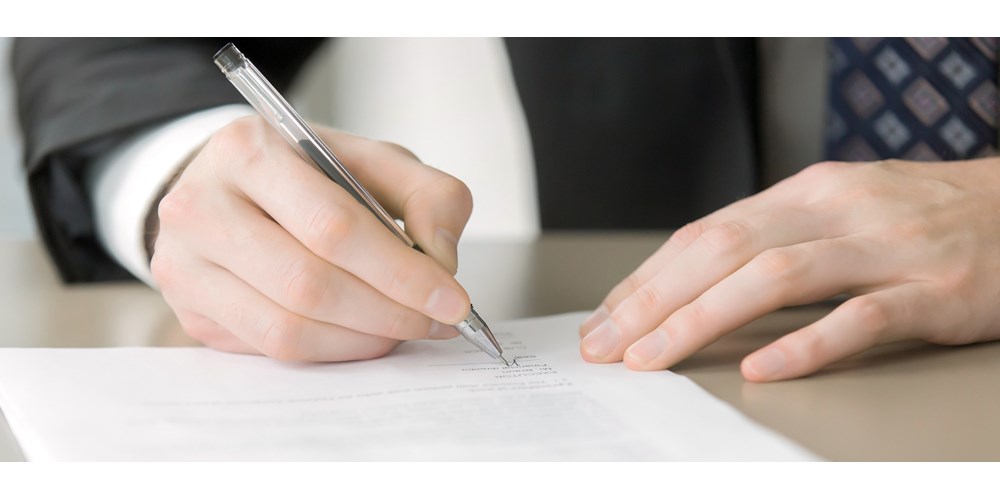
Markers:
{"x": 505, "y": 360}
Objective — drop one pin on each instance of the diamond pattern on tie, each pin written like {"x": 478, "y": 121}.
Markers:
{"x": 921, "y": 99}
{"x": 984, "y": 101}
{"x": 957, "y": 70}
{"x": 924, "y": 102}
{"x": 862, "y": 95}
{"x": 958, "y": 135}
{"x": 892, "y": 131}
{"x": 892, "y": 66}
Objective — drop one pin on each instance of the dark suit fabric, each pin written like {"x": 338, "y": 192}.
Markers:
{"x": 626, "y": 133}
{"x": 636, "y": 133}
{"x": 77, "y": 99}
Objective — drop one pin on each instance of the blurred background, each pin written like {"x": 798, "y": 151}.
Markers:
{"x": 16, "y": 221}
{"x": 451, "y": 101}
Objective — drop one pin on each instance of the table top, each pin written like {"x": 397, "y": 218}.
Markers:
{"x": 905, "y": 401}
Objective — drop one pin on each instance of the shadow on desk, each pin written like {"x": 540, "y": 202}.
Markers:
{"x": 903, "y": 401}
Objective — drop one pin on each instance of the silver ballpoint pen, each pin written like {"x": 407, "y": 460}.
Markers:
{"x": 276, "y": 110}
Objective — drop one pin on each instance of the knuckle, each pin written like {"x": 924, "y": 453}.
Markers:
{"x": 779, "y": 264}
{"x": 820, "y": 182}
{"x": 446, "y": 189}
{"x": 871, "y": 315}
{"x": 631, "y": 283}
{"x": 162, "y": 269}
{"x": 649, "y": 297}
{"x": 305, "y": 287}
{"x": 888, "y": 164}
{"x": 728, "y": 237}
{"x": 177, "y": 207}
{"x": 282, "y": 338}
{"x": 400, "y": 326}
{"x": 242, "y": 135}
{"x": 455, "y": 191}
{"x": 243, "y": 139}
{"x": 821, "y": 171}
{"x": 959, "y": 280}
{"x": 327, "y": 227}
{"x": 689, "y": 233}
{"x": 807, "y": 351}
{"x": 691, "y": 318}
{"x": 399, "y": 281}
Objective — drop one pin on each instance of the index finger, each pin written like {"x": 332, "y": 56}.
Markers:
{"x": 718, "y": 253}
{"x": 334, "y": 226}
{"x": 435, "y": 205}
{"x": 679, "y": 241}
{"x": 776, "y": 278}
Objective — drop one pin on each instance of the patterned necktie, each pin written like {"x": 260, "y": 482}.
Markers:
{"x": 921, "y": 99}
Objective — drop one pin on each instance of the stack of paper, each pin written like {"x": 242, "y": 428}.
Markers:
{"x": 428, "y": 400}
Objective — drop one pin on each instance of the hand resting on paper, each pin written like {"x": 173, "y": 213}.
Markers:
{"x": 916, "y": 245}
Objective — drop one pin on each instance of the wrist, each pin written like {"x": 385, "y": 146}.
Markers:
{"x": 126, "y": 186}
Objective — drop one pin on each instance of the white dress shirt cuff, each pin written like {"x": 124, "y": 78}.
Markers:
{"x": 124, "y": 183}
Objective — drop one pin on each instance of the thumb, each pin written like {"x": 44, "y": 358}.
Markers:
{"x": 435, "y": 217}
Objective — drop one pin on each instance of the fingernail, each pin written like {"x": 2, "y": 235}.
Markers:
{"x": 767, "y": 363}
{"x": 596, "y": 318}
{"x": 447, "y": 245}
{"x": 649, "y": 347}
{"x": 444, "y": 303}
{"x": 602, "y": 341}
{"x": 440, "y": 330}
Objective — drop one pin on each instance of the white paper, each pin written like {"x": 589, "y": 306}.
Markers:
{"x": 428, "y": 400}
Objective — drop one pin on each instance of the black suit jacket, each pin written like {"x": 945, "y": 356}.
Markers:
{"x": 626, "y": 133}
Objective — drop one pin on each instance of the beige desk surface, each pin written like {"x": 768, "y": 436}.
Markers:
{"x": 908, "y": 401}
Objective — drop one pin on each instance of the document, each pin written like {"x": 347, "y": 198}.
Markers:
{"x": 428, "y": 400}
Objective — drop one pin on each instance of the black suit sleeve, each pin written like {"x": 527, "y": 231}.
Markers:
{"x": 78, "y": 98}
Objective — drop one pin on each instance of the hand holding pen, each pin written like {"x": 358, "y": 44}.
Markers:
{"x": 259, "y": 252}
